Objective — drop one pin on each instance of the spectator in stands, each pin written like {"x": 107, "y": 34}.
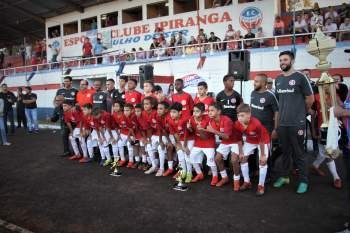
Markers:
{"x": 316, "y": 20}
{"x": 172, "y": 43}
{"x": 43, "y": 49}
{"x": 93, "y": 24}
{"x": 2, "y": 120}
{"x": 344, "y": 11}
{"x": 345, "y": 26}
{"x": 21, "y": 116}
{"x": 131, "y": 55}
{"x": 278, "y": 26}
{"x": 98, "y": 50}
{"x": 237, "y": 44}
{"x": 153, "y": 46}
{"x": 338, "y": 21}
{"x": 29, "y": 100}
{"x": 180, "y": 41}
{"x": 330, "y": 27}
{"x": 214, "y": 39}
{"x": 10, "y": 100}
{"x": 87, "y": 50}
{"x": 331, "y": 13}
{"x": 340, "y": 86}
{"x": 22, "y": 51}
{"x": 259, "y": 42}
{"x": 192, "y": 41}
{"x": 229, "y": 35}
{"x": 140, "y": 54}
{"x": 38, "y": 49}
{"x": 54, "y": 54}
{"x": 249, "y": 35}
{"x": 202, "y": 37}
{"x": 2, "y": 59}
{"x": 300, "y": 25}
{"x": 161, "y": 49}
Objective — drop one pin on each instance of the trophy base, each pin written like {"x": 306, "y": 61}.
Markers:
{"x": 116, "y": 173}
{"x": 180, "y": 187}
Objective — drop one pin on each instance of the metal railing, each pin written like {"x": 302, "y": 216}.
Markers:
{"x": 114, "y": 57}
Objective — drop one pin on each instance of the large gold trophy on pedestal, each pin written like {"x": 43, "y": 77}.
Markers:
{"x": 320, "y": 46}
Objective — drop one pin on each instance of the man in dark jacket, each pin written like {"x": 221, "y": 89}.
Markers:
{"x": 10, "y": 100}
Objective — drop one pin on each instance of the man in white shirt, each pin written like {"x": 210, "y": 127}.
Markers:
{"x": 331, "y": 13}
{"x": 330, "y": 27}
{"x": 345, "y": 26}
{"x": 300, "y": 25}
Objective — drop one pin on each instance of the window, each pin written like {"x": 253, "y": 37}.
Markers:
{"x": 54, "y": 31}
{"x": 109, "y": 19}
{"x": 216, "y": 3}
{"x": 70, "y": 28}
{"x": 158, "y": 9}
{"x": 132, "y": 14}
{"x": 182, "y": 6}
{"x": 89, "y": 24}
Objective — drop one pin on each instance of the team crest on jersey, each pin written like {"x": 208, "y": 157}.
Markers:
{"x": 221, "y": 130}
{"x": 300, "y": 132}
{"x": 233, "y": 100}
{"x": 72, "y": 93}
{"x": 102, "y": 122}
{"x": 100, "y": 97}
{"x": 132, "y": 99}
{"x": 183, "y": 102}
{"x": 262, "y": 100}
{"x": 88, "y": 95}
{"x": 123, "y": 96}
{"x": 292, "y": 82}
{"x": 154, "y": 121}
{"x": 252, "y": 133}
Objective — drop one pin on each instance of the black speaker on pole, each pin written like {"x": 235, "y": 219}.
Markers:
{"x": 146, "y": 74}
{"x": 239, "y": 64}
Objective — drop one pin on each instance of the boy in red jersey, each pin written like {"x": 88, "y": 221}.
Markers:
{"x": 117, "y": 113}
{"x": 131, "y": 95}
{"x": 204, "y": 144}
{"x": 160, "y": 136}
{"x": 139, "y": 134}
{"x": 160, "y": 96}
{"x": 148, "y": 89}
{"x": 126, "y": 125}
{"x": 222, "y": 126}
{"x": 255, "y": 136}
{"x": 183, "y": 140}
{"x": 73, "y": 119}
{"x": 202, "y": 96}
{"x": 104, "y": 133}
{"x": 183, "y": 98}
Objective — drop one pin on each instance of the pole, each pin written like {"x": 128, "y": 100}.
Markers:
{"x": 293, "y": 38}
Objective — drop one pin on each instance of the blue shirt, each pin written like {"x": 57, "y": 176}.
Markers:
{"x": 98, "y": 48}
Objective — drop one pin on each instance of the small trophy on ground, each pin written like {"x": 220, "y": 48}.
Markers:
{"x": 180, "y": 185}
{"x": 115, "y": 169}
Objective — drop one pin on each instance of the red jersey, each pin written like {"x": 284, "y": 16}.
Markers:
{"x": 186, "y": 101}
{"x": 87, "y": 47}
{"x": 157, "y": 124}
{"x": 209, "y": 140}
{"x": 124, "y": 123}
{"x": 133, "y": 97}
{"x": 151, "y": 95}
{"x": 255, "y": 132}
{"x": 179, "y": 127}
{"x": 90, "y": 123}
{"x": 147, "y": 116}
{"x": 74, "y": 117}
{"x": 85, "y": 96}
{"x": 226, "y": 126}
{"x": 141, "y": 126}
{"x": 104, "y": 121}
{"x": 207, "y": 101}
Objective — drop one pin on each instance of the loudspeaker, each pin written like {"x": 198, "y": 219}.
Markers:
{"x": 239, "y": 64}
{"x": 146, "y": 73}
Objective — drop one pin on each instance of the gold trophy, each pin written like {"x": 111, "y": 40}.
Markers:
{"x": 180, "y": 185}
{"x": 115, "y": 169}
{"x": 320, "y": 46}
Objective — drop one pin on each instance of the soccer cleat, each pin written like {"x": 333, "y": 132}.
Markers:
{"x": 222, "y": 182}
{"x": 337, "y": 184}
{"x": 214, "y": 180}
{"x": 135, "y": 165}
{"x": 236, "y": 185}
{"x": 130, "y": 165}
{"x": 107, "y": 162}
{"x": 151, "y": 170}
{"x": 74, "y": 157}
{"x": 260, "y": 191}
{"x": 280, "y": 182}
{"x": 168, "y": 172}
{"x": 140, "y": 166}
{"x": 317, "y": 171}
{"x": 121, "y": 163}
{"x": 197, "y": 178}
{"x": 302, "y": 188}
{"x": 188, "y": 177}
{"x": 245, "y": 186}
{"x": 102, "y": 162}
{"x": 85, "y": 160}
{"x": 159, "y": 172}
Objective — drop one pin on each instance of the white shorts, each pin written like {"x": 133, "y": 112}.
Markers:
{"x": 184, "y": 156}
{"x": 172, "y": 139}
{"x": 226, "y": 149}
{"x": 76, "y": 133}
{"x": 197, "y": 154}
{"x": 155, "y": 143}
{"x": 94, "y": 135}
{"x": 248, "y": 149}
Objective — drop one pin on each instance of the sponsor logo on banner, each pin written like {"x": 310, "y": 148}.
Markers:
{"x": 191, "y": 80}
{"x": 251, "y": 17}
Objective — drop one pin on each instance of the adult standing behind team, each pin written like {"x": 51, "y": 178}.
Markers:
{"x": 99, "y": 99}
{"x": 10, "y": 100}
{"x": 295, "y": 96}
{"x": 69, "y": 94}
{"x": 123, "y": 80}
{"x": 228, "y": 98}
{"x": 112, "y": 94}
{"x": 84, "y": 95}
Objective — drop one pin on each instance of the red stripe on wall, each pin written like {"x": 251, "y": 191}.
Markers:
{"x": 314, "y": 73}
